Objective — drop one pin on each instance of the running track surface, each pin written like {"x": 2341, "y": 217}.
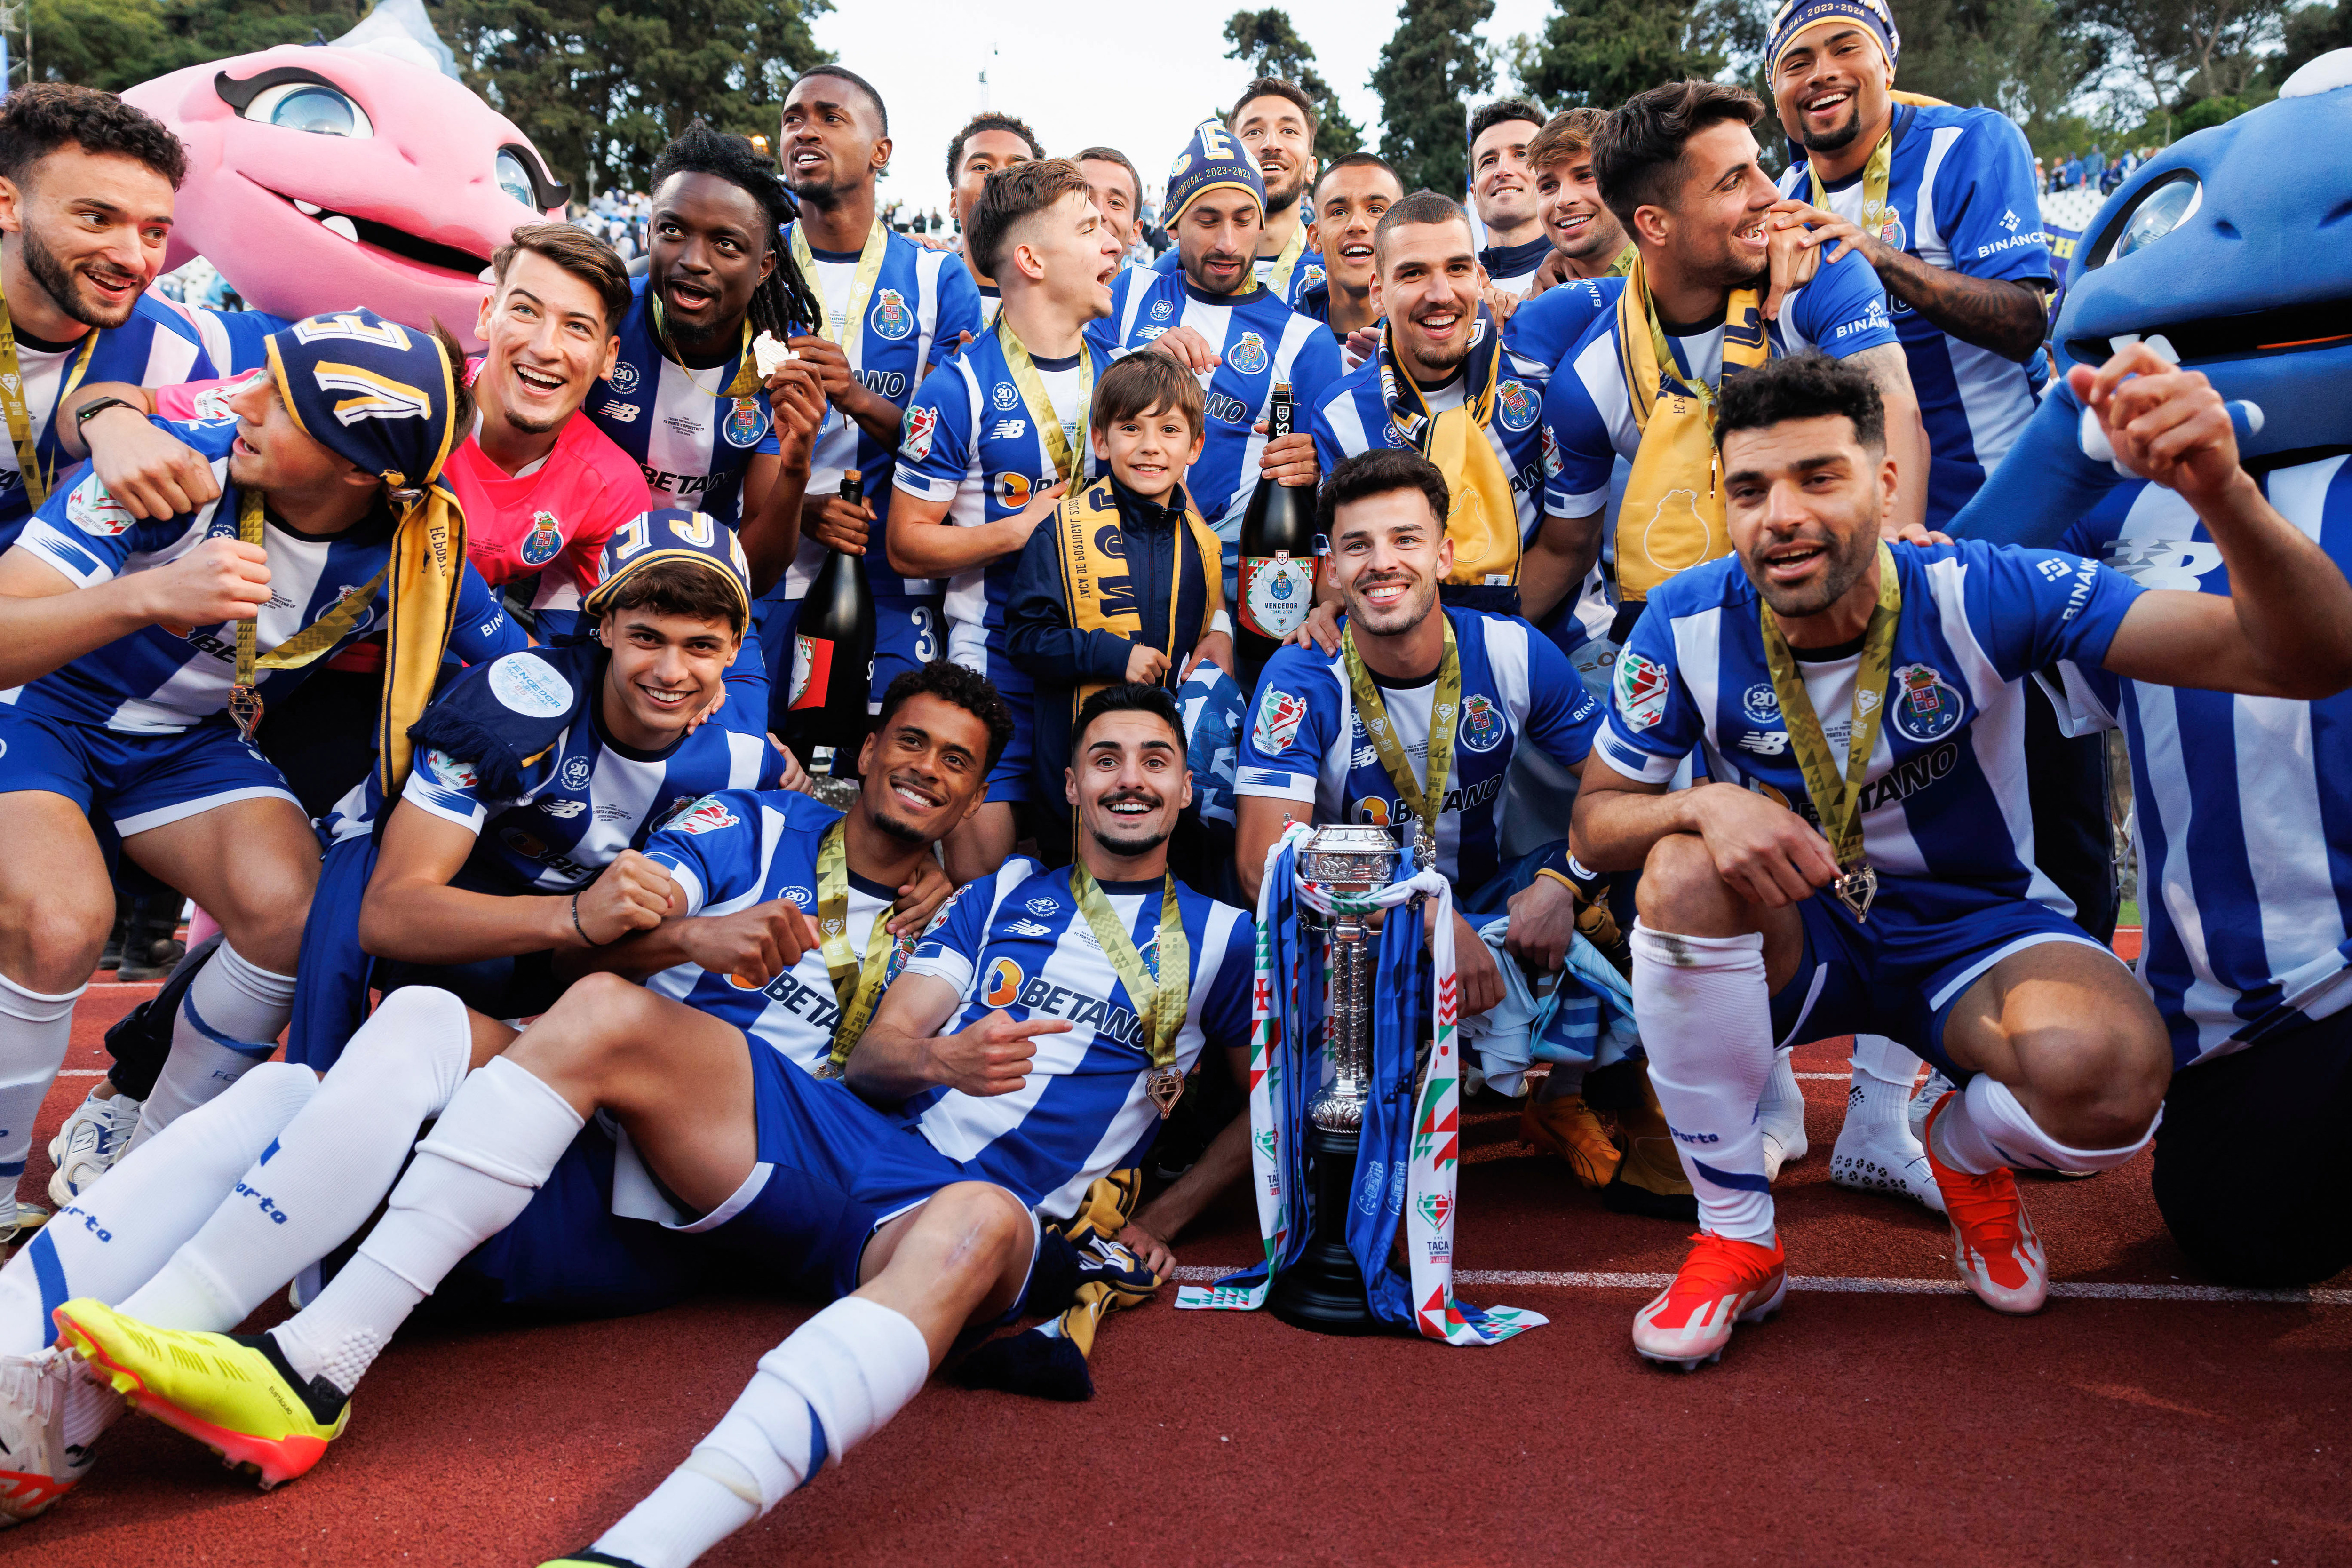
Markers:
{"x": 1859, "y": 1426}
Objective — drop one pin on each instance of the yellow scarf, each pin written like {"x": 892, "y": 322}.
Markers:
{"x": 1672, "y": 517}
{"x": 1483, "y": 519}
{"x": 1095, "y": 586}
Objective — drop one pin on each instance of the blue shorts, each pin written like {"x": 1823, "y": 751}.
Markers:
{"x": 832, "y": 1169}
{"x": 1900, "y": 972}
{"x": 131, "y": 782}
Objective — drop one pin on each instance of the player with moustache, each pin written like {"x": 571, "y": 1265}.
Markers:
{"x": 201, "y": 1225}
{"x": 1275, "y": 123}
{"x": 996, "y": 438}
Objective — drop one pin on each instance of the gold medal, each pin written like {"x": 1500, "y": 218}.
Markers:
{"x": 1166, "y": 1086}
{"x": 21, "y": 433}
{"x": 303, "y": 647}
{"x": 856, "y": 988}
{"x": 1069, "y": 459}
{"x": 1160, "y": 1000}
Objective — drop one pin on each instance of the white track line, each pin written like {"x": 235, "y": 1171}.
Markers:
{"x": 1847, "y": 1286}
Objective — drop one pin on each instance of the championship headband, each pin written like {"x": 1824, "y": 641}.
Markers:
{"x": 378, "y": 394}
{"x": 1800, "y": 16}
{"x": 1210, "y": 160}
{"x": 672, "y": 533}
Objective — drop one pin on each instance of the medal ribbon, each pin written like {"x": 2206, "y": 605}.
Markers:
{"x": 861, "y": 289}
{"x": 1444, "y": 711}
{"x": 1160, "y": 1000}
{"x": 304, "y": 647}
{"x": 1277, "y": 282}
{"x": 1068, "y": 462}
{"x": 1838, "y": 800}
{"x": 747, "y": 382}
{"x": 1875, "y": 176}
{"x": 857, "y": 987}
{"x": 20, "y": 416}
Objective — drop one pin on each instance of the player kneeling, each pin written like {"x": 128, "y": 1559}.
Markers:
{"x": 1878, "y": 690}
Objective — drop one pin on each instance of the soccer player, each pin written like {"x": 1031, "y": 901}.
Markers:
{"x": 1215, "y": 319}
{"x": 1044, "y": 1078}
{"x": 1878, "y": 688}
{"x": 1118, "y": 192}
{"x": 1349, "y": 197}
{"x": 87, "y": 184}
{"x": 1442, "y": 383}
{"x": 1503, "y": 189}
{"x": 987, "y": 144}
{"x": 892, "y": 309}
{"x": 193, "y": 1231}
{"x": 1274, "y": 122}
{"x": 997, "y": 437}
{"x": 1588, "y": 243}
{"x": 148, "y": 650}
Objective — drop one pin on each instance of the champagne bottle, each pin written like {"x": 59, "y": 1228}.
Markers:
{"x": 1278, "y": 567}
{"x": 833, "y": 654}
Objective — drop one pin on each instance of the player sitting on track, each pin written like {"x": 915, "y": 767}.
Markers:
{"x": 1776, "y": 660}
{"x": 143, "y": 656}
{"x": 1047, "y": 1084}
{"x": 240, "y": 1228}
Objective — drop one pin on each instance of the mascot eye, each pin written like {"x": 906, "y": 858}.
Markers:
{"x": 514, "y": 179}
{"x": 310, "y": 106}
{"x": 2159, "y": 212}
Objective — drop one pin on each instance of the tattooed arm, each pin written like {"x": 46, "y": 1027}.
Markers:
{"x": 2002, "y": 314}
{"x": 1906, "y": 437}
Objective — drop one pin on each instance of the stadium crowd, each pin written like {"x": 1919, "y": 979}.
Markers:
{"x": 1648, "y": 607}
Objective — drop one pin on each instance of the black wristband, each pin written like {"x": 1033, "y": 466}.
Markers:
{"x": 83, "y": 414}
{"x": 583, "y": 929}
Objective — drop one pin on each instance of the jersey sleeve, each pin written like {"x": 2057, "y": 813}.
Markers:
{"x": 86, "y": 535}
{"x": 1842, "y": 311}
{"x": 1315, "y": 372}
{"x": 199, "y": 400}
{"x": 1225, "y": 1013}
{"x": 1578, "y": 455}
{"x": 481, "y": 627}
{"x": 2088, "y": 696}
{"x": 2044, "y": 605}
{"x": 959, "y": 311}
{"x": 1562, "y": 715}
{"x": 712, "y": 848}
{"x": 1987, "y": 206}
{"x": 951, "y": 949}
{"x": 449, "y": 787}
{"x": 1293, "y": 722}
{"x": 1328, "y": 453}
{"x": 1652, "y": 724}
{"x": 749, "y": 690}
{"x": 935, "y": 446}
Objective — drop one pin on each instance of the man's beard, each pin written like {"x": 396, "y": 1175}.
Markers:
{"x": 1127, "y": 849}
{"x": 536, "y": 427}
{"x": 1845, "y": 569}
{"x": 59, "y": 284}
{"x": 1400, "y": 618}
{"x": 905, "y": 833}
{"x": 1838, "y": 138}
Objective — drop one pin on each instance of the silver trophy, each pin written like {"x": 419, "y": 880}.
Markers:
{"x": 1348, "y": 859}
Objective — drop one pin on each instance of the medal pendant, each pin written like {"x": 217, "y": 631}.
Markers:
{"x": 830, "y": 1068}
{"x": 1424, "y": 849}
{"x": 1857, "y": 889}
{"x": 1166, "y": 1086}
{"x": 244, "y": 708}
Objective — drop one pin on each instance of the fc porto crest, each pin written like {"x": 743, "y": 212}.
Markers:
{"x": 1248, "y": 356}
{"x": 747, "y": 422}
{"x": 544, "y": 540}
{"x": 1926, "y": 707}
{"x": 890, "y": 318}
{"x": 1514, "y": 407}
{"x": 1482, "y": 725}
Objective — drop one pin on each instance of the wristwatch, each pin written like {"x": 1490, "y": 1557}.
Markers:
{"x": 83, "y": 414}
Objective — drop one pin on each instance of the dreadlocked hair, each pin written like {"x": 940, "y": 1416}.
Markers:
{"x": 782, "y": 305}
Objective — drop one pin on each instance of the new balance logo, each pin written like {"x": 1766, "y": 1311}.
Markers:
{"x": 1765, "y": 743}
{"x": 1029, "y": 928}
{"x": 1008, "y": 430}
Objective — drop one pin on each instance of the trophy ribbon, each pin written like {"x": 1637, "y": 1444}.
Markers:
{"x": 1444, "y": 713}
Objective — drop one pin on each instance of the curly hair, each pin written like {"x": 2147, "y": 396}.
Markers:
{"x": 782, "y": 304}
{"x": 980, "y": 123}
{"x": 967, "y": 689}
{"x": 37, "y": 120}
{"x": 1810, "y": 385}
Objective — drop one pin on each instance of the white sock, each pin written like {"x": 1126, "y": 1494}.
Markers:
{"x": 1986, "y": 1129}
{"x": 833, "y": 1385}
{"x": 1706, "y": 1014}
{"x": 91, "y": 1407}
{"x": 502, "y": 1133}
{"x": 228, "y": 1024}
{"x": 1884, "y": 1073}
{"x": 324, "y": 1174}
{"x": 109, "y": 1241}
{"x": 1783, "y": 1106}
{"x": 35, "y": 1030}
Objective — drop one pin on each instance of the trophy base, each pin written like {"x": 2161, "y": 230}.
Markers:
{"x": 1324, "y": 1290}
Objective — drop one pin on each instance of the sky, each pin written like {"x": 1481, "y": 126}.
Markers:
{"x": 1083, "y": 74}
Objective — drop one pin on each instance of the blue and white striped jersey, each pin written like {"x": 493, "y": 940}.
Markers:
{"x": 1587, "y": 414}
{"x": 159, "y": 681}
{"x": 1016, "y": 943}
{"x": 158, "y": 346}
{"x": 1305, "y": 741}
{"x": 1260, "y": 340}
{"x": 1960, "y": 184}
{"x": 1544, "y": 327}
{"x": 922, "y": 300}
{"x": 1945, "y": 795}
{"x": 739, "y": 848}
{"x": 1513, "y": 267}
{"x": 692, "y": 440}
{"x": 2242, "y": 810}
{"x": 585, "y": 798}
{"x": 971, "y": 442}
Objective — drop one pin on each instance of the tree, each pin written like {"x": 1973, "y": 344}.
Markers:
{"x": 1428, "y": 70}
{"x": 2176, "y": 51}
{"x": 1599, "y": 53}
{"x": 2016, "y": 56}
{"x": 2311, "y": 33}
{"x": 116, "y": 43}
{"x": 1272, "y": 47}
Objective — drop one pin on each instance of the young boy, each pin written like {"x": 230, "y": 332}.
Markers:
{"x": 1126, "y": 582}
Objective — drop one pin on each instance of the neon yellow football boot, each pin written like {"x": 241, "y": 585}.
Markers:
{"x": 237, "y": 1395}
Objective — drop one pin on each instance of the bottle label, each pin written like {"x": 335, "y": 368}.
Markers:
{"x": 1277, "y": 591}
{"x": 812, "y": 671}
